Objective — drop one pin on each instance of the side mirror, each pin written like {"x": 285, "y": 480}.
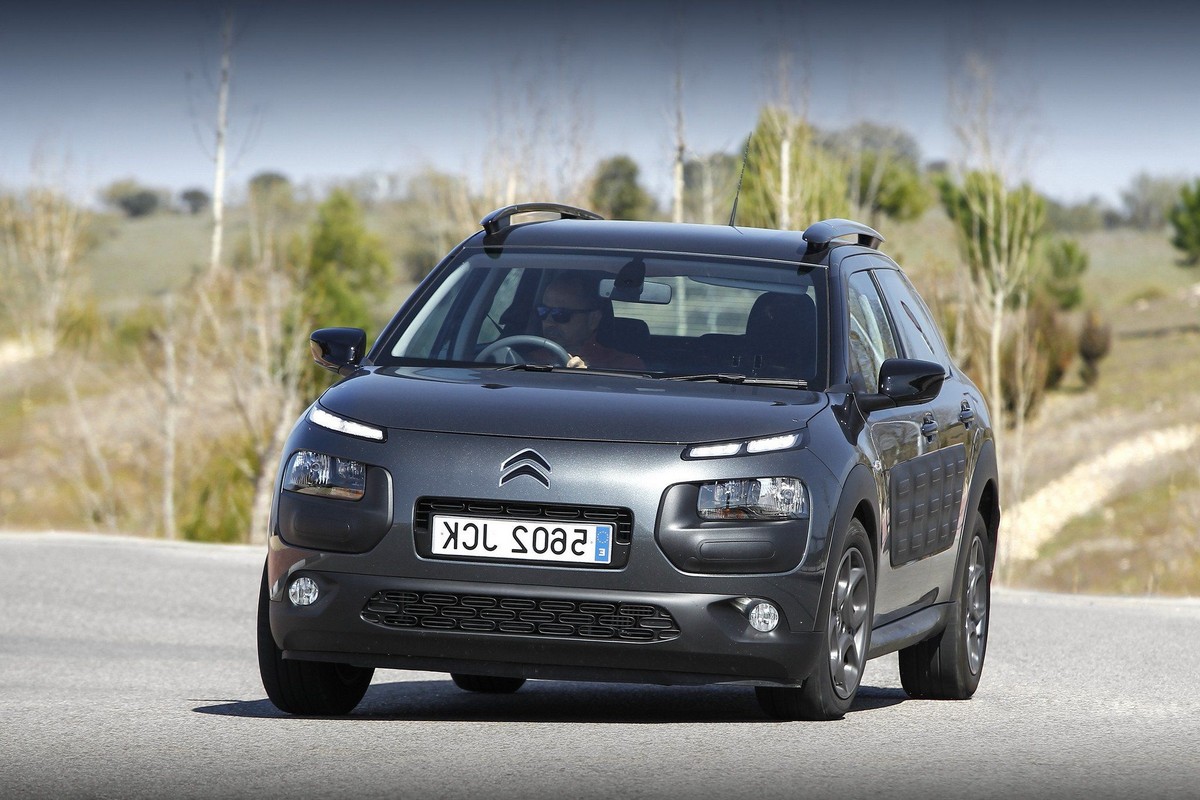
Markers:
{"x": 905, "y": 382}
{"x": 338, "y": 349}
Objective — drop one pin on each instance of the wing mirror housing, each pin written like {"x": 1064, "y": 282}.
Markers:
{"x": 905, "y": 382}
{"x": 339, "y": 350}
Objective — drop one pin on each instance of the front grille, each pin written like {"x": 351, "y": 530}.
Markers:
{"x": 521, "y": 616}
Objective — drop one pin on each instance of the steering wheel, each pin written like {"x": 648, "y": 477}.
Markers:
{"x": 508, "y": 343}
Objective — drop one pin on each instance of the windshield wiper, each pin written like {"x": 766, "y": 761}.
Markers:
{"x": 528, "y": 368}
{"x": 733, "y": 377}
{"x": 620, "y": 373}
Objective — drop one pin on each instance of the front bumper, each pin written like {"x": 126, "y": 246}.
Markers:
{"x": 692, "y": 570}
{"x": 707, "y": 640}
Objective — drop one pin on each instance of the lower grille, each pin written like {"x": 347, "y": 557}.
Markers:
{"x": 521, "y": 616}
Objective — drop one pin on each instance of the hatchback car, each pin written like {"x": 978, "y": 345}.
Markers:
{"x": 638, "y": 451}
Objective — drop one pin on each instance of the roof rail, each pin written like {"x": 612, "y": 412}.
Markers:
{"x": 820, "y": 234}
{"x": 501, "y": 218}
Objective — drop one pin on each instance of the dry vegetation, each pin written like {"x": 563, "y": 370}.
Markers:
{"x": 1141, "y": 536}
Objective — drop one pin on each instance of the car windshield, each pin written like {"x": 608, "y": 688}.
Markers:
{"x": 659, "y": 314}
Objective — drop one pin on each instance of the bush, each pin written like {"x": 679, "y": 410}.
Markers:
{"x": 133, "y": 199}
{"x": 1095, "y": 340}
{"x": 1185, "y": 219}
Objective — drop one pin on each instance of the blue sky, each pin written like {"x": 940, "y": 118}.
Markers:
{"x": 327, "y": 90}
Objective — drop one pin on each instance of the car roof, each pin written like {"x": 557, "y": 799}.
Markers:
{"x": 667, "y": 237}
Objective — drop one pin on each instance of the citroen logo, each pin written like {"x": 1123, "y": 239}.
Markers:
{"x": 526, "y": 462}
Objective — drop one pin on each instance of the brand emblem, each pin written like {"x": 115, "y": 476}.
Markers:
{"x": 526, "y": 462}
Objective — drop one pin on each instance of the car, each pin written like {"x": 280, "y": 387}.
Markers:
{"x": 632, "y": 451}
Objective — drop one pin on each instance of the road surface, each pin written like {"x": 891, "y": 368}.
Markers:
{"x": 128, "y": 669}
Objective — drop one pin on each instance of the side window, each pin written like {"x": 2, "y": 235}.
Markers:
{"x": 489, "y": 327}
{"x": 917, "y": 329}
{"x": 871, "y": 338}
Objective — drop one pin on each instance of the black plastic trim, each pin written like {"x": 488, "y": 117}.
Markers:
{"x": 501, "y": 218}
{"x": 335, "y": 525}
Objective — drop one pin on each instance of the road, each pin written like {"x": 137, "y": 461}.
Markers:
{"x": 127, "y": 669}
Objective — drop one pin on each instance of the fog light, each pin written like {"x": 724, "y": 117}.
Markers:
{"x": 763, "y": 617}
{"x": 303, "y": 591}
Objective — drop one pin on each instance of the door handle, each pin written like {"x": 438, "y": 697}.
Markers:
{"x": 966, "y": 415}
{"x": 929, "y": 427}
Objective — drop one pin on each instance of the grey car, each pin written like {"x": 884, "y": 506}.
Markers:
{"x": 638, "y": 451}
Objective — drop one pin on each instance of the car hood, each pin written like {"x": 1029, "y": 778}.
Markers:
{"x": 567, "y": 405}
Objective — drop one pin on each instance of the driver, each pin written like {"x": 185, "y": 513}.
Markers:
{"x": 570, "y": 314}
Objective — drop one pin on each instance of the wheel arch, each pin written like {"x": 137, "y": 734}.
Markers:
{"x": 985, "y": 498}
{"x": 859, "y": 500}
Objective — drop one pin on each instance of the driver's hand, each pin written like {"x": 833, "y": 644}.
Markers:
{"x": 576, "y": 362}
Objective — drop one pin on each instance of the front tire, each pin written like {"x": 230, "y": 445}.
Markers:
{"x": 309, "y": 688}
{"x": 828, "y": 693}
{"x": 948, "y": 666}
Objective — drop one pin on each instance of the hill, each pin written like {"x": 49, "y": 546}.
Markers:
{"x": 1110, "y": 490}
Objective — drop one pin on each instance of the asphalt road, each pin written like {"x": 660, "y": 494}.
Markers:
{"x": 127, "y": 669}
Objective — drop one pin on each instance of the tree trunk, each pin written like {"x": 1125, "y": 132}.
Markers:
{"x": 264, "y": 483}
{"x": 218, "y": 201}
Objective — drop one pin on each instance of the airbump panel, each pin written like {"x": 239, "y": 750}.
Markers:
{"x": 926, "y": 497}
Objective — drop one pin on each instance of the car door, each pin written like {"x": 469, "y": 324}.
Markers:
{"x": 917, "y": 465}
{"x": 954, "y": 412}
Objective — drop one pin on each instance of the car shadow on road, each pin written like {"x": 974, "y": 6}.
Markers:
{"x": 555, "y": 701}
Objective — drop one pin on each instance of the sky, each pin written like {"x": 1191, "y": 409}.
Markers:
{"x": 1094, "y": 93}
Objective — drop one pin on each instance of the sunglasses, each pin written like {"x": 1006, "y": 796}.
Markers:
{"x": 560, "y": 315}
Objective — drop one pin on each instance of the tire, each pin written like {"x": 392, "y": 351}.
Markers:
{"x": 948, "y": 666}
{"x": 486, "y": 684}
{"x": 828, "y": 693}
{"x": 310, "y": 688}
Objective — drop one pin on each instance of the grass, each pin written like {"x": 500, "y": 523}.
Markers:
{"x": 139, "y": 258}
{"x": 1141, "y": 541}
{"x": 1144, "y": 542}
{"x": 1127, "y": 266}
{"x": 1137, "y": 543}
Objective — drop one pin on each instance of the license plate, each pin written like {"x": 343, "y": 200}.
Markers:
{"x": 525, "y": 540}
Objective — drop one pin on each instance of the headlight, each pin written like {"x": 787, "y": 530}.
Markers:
{"x": 319, "y": 416}
{"x": 768, "y": 445}
{"x": 753, "y": 498}
{"x": 326, "y": 476}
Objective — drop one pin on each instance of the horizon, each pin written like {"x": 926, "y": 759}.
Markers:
{"x": 324, "y": 94}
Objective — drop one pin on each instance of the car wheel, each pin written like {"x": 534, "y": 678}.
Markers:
{"x": 948, "y": 666}
{"x": 315, "y": 688}
{"x": 829, "y": 691}
{"x": 487, "y": 684}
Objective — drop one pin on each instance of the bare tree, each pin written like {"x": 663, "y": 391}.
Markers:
{"x": 42, "y": 234}
{"x": 221, "y": 131}
{"x": 791, "y": 180}
{"x": 42, "y": 237}
{"x": 264, "y": 318}
{"x": 998, "y": 221}
{"x": 680, "y": 148}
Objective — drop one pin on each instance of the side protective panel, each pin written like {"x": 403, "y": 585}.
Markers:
{"x": 926, "y": 496}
